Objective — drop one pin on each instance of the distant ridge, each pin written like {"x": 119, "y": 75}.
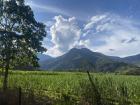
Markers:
{"x": 135, "y": 59}
{"x": 43, "y": 57}
{"x": 84, "y": 59}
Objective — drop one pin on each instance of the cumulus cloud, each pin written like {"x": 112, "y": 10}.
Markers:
{"x": 109, "y": 34}
{"x": 65, "y": 34}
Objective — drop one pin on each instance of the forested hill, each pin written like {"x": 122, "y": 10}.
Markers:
{"x": 84, "y": 59}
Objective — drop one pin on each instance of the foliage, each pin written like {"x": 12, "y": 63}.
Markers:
{"x": 20, "y": 35}
{"x": 74, "y": 87}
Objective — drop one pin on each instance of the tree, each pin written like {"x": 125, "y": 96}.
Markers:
{"x": 21, "y": 36}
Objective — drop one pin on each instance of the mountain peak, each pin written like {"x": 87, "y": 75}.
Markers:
{"x": 83, "y": 59}
{"x": 80, "y": 49}
{"x": 80, "y": 46}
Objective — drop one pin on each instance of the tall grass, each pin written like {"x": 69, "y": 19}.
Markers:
{"x": 75, "y": 88}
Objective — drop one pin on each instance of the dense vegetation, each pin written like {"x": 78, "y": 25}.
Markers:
{"x": 21, "y": 36}
{"x": 84, "y": 59}
{"x": 76, "y": 89}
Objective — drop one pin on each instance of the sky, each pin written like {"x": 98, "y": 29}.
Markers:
{"x": 111, "y": 27}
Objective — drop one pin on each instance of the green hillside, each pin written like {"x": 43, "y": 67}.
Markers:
{"x": 84, "y": 59}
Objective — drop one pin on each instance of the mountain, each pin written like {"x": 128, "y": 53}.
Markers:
{"x": 135, "y": 60}
{"x": 84, "y": 59}
{"x": 43, "y": 57}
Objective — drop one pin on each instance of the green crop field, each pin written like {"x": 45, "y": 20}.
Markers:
{"x": 56, "y": 85}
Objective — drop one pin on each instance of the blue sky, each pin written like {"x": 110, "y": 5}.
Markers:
{"x": 107, "y": 26}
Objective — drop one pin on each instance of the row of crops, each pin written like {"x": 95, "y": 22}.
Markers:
{"x": 74, "y": 87}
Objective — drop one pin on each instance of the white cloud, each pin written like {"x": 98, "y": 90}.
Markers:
{"x": 54, "y": 52}
{"x": 108, "y": 33}
{"x": 47, "y": 8}
{"x": 113, "y": 35}
{"x": 94, "y": 20}
{"x": 65, "y": 35}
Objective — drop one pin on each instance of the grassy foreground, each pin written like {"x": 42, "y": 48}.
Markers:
{"x": 74, "y": 85}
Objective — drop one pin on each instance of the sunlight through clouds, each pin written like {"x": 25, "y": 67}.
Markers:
{"x": 107, "y": 33}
